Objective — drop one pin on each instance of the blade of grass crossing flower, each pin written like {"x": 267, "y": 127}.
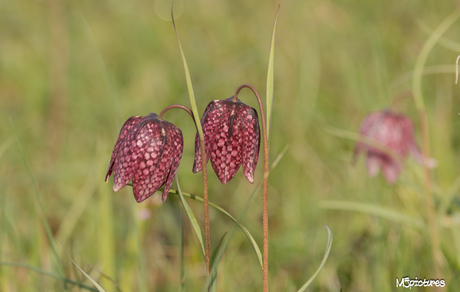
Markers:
{"x": 39, "y": 202}
{"x": 99, "y": 288}
{"x": 270, "y": 76}
{"x": 191, "y": 216}
{"x": 323, "y": 260}
{"x": 188, "y": 80}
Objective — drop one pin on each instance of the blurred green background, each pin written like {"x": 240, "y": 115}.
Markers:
{"x": 71, "y": 73}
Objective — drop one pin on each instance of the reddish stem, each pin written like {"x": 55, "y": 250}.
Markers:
{"x": 265, "y": 186}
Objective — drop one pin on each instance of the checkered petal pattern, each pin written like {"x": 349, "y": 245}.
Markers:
{"x": 232, "y": 138}
{"x": 391, "y": 130}
{"x": 148, "y": 152}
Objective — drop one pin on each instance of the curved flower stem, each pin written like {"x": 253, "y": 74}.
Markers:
{"x": 205, "y": 185}
{"x": 265, "y": 186}
{"x": 189, "y": 111}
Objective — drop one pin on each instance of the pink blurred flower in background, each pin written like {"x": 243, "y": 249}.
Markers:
{"x": 395, "y": 133}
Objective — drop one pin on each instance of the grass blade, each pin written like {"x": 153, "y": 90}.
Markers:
{"x": 191, "y": 216}
{"x": 188, "y": 80}
{"x": 223, "y": 211}
{"x": 270, "y": 76}
{"x": 39, "y": 202}
{"x": 373, "y": 210}
{"x": 46, "y": 273}
{"x": 214, "y": 253}
{"x": 323, "y": 260}
{"x": 99, "y": 288}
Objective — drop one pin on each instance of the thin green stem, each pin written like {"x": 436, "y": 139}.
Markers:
{"x": 420, "y": 105}
{"x": 265, "y": 186}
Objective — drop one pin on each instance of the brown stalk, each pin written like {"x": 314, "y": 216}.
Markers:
{"x": 265, "y": 186}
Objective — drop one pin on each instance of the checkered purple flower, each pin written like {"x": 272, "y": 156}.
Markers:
{"x": 395, "y": 132}
{"x": 148, "y": 152}
{"x": 232, "y": 137}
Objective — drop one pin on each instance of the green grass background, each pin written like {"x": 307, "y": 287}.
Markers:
{"x": 71, "y": 72}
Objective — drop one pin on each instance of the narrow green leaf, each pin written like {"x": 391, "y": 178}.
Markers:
{"x": 212, "y": 261}
{"x": 188, "y": 80}
{"x": 46, "y": 273}
{"x": 191, "y": 216}
{"x": 223, "y": 211}
{"x": 99, "y": 288}
{"x": 39, "y": 202}
{"x": 270, "y": 76}
{"x": 323, "y": 260}
{"x": 373, "y": 210}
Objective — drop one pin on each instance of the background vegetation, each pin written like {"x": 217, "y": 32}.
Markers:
{"x": 71, "y": 72}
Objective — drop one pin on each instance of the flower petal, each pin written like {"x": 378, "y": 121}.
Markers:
{"x": 127, "y": 126}
{"x": 391, "y": 170}
{"x": 176, "y": 144}
{"x": 148, "y": 153}
{"x": 251, "y": 141}
{"x": 373, "y": 163}
{"x": 224, "y": 127}
{"x": 207, "y": 125}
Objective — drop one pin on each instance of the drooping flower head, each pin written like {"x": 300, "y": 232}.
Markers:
{"x": 148, "y": 152}
{"x": 232, "y": 137}
{"x": 394, "y": 132}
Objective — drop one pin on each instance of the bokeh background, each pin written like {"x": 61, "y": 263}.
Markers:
{"x": 71, "y": 73}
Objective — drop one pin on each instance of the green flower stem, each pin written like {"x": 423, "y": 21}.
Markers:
{"x": 265, "y": 186}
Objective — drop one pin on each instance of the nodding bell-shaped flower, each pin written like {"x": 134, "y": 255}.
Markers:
{"x": 148, "y": 152}
{"x": 394, "y": 132}
{"x": 232, "y": 137}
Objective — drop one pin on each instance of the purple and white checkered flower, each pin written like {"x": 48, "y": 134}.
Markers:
{"x": 395, "y": 132}
{"x": 232, "y": 137}
{"x": 148, "y": 152}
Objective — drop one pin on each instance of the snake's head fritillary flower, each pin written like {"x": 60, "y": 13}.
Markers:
{"x": 148, "y": 152}
{"x": 394, "y": 132}
{"x": 232, "y": 137}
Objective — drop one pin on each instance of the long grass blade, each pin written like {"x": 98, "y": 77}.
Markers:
{"x": 214, "y": 253}
{"x": 99, "y": 288}
{"x": 191, "y": 217}
{"x": 46, "y": 273}
{"x": 223, "y": 211}
{"x": 323, "y": 260}
{"x": 270, "y": 76}
{"x": 39, "y": 202}
{"x": 373, "y": 210}
{"x": 188, "y": 80}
